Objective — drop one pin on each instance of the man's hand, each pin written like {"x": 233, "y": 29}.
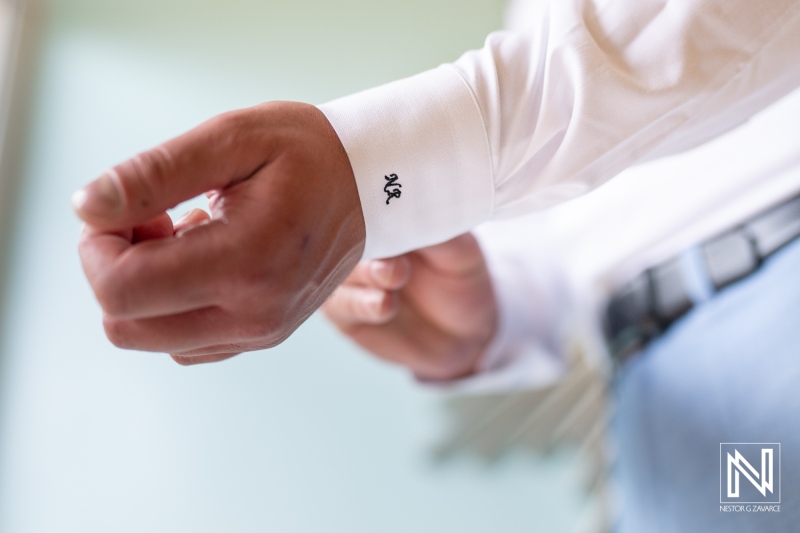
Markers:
{"x": 285, "y": 229}
{"x": 432, "y": 310}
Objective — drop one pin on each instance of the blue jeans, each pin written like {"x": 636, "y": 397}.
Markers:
{"x": 729, "y": 371}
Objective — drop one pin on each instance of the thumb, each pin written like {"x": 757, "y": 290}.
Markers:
{"x": 224, "y": 150}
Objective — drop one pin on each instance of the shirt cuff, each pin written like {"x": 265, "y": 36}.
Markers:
{"x": 420, "y": 155}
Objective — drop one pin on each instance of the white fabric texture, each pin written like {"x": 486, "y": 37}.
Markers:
{"x": 427, "y": 130}
{"x": 541, "y": 116}
{"x": 552, "y": 284}
{"x": 577, "y": 93}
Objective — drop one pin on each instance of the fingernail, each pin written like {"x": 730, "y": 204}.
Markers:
{"x": 382, "y": 271}
{"x": 101, "y": 199}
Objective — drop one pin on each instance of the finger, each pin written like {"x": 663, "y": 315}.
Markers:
{"x": 98, "y": 248}
{"x": 159, "y": 277}
{"x": 454, "y": 294}
{"x": 193, "y": 218}
{"x": 460, "y": 256}
{"x": 194, "y": 330}
{"x": 228, "y": 348}
{"x": 224, "y": 150}
{"x": 413, "y": 342}
{"x": 188, "y": 360}
{"x": 159, "y": 227}
{"x": 388, "y": 274}
{"x": 350, "y": 306}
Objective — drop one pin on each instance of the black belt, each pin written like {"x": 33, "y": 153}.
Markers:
{"x": 646, "y": 306}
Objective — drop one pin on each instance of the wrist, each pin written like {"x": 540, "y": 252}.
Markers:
{"x": 353, "y": 224}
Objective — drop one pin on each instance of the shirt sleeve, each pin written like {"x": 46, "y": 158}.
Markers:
{"x": 540, "y": 116}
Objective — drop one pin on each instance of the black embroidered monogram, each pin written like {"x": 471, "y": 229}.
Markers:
{"x": 392, "y": 189}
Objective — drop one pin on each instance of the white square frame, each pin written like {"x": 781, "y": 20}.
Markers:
{"x": 721, "y": 444}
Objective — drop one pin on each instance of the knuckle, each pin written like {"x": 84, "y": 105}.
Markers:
{"x": 117, "y": 332}
{"x": 363, "y": 307}
{"x": 111, "y": 298}
{"x": 390, "y": 273}
{"x": 374, "y": 306}
{"x": 268, "y": 331}
{"x": 384, "y": 306}
{"x": 182, "y": 360}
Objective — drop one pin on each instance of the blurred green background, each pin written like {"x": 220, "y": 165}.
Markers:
{"x": 312, "y": 436}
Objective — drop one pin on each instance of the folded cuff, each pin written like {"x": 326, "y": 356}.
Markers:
{"x": 420, "y": 155}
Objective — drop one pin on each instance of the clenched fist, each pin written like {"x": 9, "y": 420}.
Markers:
{"x": 432, "y": 310}
{"x": 285, "y": 228}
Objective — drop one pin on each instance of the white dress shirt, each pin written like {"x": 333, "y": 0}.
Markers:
{"x": 577, "y": 93}
{"x": 553, "y": 271}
